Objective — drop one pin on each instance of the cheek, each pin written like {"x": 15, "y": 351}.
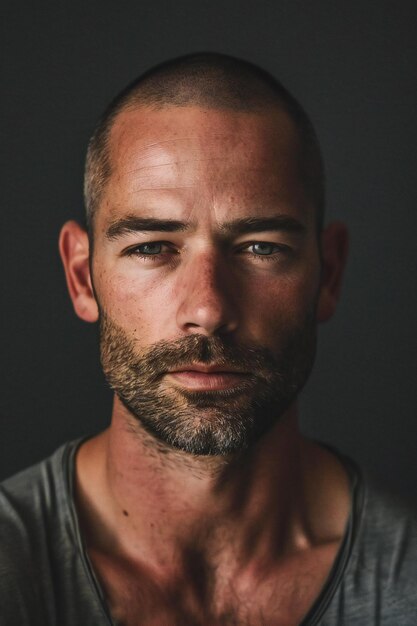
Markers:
{"x": 270, "y": 307}
{"x": 139, "y": 307}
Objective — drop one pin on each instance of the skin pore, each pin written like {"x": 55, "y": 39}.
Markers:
{"x": 205, "y": 230}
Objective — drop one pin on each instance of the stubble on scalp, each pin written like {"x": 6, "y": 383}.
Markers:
{"x": 206, "y": 422}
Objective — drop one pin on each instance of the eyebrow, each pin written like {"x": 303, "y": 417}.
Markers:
{"x": 132, "y": 224}
{"x": 260, "y": 224}
{"x": 241, "y": 226}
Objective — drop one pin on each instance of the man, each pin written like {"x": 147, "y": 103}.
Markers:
{"x": 207, "y": 265}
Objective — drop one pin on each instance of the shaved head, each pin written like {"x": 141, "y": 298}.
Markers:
{"x": 211, "y": 81}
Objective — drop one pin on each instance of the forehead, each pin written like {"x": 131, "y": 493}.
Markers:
{"x": 142, "y": 133}
{"x": 202, "y": 153}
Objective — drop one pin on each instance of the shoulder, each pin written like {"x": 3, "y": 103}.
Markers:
{"x": 386, "y": 546}
{"x": 28, "y": 498}
{"x": 386, "y": 530}
{"x": 378, "y": 585}
{"x": 31, "y": 508}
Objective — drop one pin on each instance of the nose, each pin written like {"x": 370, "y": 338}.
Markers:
{"x": 206, "y": 296}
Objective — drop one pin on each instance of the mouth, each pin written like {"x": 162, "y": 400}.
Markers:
{"x": 197, "y": 377}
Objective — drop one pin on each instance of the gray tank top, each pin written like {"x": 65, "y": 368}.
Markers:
{"x": 46, "y": 578}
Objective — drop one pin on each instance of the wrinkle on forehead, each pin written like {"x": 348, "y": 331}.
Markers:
{"x": 167, "y": 142}
{"x": 143, "y": 167}
{"x": 197, "y": 126}
{"x": 216, "y": 161}
{"x": 161, "y": 188}
{"x": 143, "y": 183}
{"x": 178, "y": 151}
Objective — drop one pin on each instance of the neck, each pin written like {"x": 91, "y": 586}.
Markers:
{"x": 158, "y": 502}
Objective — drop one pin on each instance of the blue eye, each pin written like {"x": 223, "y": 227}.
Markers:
{"x": 263, "y": 248}
{"x": 155, "y": 251}
{"x": 150, "y": 248}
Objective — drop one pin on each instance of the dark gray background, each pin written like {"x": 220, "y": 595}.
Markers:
{"x": 352, "y": 65}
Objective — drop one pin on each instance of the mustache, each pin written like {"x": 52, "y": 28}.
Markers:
{"x": 163, "y": 356}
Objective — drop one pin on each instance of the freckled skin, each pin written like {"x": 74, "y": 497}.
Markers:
{"x": 224, "y": 540}
{"x": 210, "y": 167}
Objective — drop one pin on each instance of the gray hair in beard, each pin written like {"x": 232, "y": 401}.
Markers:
{"x": 218, "y": 422}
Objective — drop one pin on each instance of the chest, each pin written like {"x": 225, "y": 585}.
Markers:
{"x": 281, "y": 598}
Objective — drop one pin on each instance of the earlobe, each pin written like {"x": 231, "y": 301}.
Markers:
{"x": 74, "y": 251}
{"x": 334, "y": 250}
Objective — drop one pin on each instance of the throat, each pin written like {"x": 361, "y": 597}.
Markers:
{"x": 197, "y": 547}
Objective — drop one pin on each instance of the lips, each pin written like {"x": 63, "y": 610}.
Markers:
{"x": 198, "y": 377}
{"x": 207, "y": 369}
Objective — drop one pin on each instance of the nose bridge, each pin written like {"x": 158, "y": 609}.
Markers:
{"x": 205, "y": 294}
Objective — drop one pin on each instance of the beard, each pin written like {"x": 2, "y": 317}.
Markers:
{"x": 216, "y": 422}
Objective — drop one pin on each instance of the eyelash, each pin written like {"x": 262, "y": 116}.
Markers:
{"x": 280, "y": 249}
{"x": 148, "y": 257}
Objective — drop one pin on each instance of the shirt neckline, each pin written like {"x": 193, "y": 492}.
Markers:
{"x": 68, "y": 468}
{"x": 335, "y": 576}
{"x": 319, "y": 606}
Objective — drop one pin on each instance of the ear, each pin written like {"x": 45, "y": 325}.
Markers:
{"x": 75, "y": 250}
{"x": 334, "y": 250}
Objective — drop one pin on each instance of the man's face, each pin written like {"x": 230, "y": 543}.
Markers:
{"x": 206, "y": 270}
